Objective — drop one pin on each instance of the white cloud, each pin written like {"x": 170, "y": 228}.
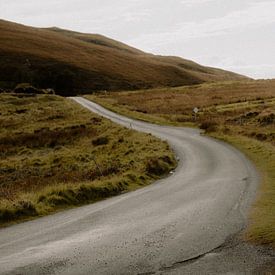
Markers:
{"x": 256, "y": 15}
{"x": 195, "y": 2}
{"x": 264, "y": 71}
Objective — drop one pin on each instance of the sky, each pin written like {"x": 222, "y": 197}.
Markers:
{"x": 237, "y": 35}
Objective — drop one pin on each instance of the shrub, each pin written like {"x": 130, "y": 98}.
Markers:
{"x": 26, "y": 88}
{"x": 208, "y": 126}
{"x": 267, "y": 120}
{"x": 158, "y": 166}
{"x": 100, "y": 141}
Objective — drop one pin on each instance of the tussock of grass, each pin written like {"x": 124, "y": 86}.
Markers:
{"x": 159, "y": 166}
{"x": 56, "y": 154}
{"x": 242, "y": 113}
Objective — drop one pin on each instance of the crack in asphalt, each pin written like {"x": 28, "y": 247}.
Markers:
{"x": 181, "y": 263}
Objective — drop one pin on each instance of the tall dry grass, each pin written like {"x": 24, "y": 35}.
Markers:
{"x": 56, "y": 154}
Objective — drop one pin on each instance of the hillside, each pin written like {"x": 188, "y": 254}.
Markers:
{"x": 72, "y": 62}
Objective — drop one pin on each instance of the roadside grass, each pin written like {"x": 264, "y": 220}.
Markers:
{"x": 56, "y": 154}
{"x": 261, "y": 229}
{"x": 241, "y": 113}
{"x": 111, "y": 104}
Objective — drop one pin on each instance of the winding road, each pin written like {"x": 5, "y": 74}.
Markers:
{"x": 183, "y": 224}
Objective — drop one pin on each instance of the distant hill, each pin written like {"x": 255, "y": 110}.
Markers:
{"x": 73, "y": 62}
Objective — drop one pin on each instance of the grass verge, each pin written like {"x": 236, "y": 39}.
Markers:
{"x": 261, "y": 229}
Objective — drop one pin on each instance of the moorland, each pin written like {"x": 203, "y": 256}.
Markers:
{"x": 240, "y": 113}
{"x": 56, "y": 154}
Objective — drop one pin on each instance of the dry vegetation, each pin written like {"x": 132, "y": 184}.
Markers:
{"x": 73, "y": 62}
{"x": 50, "y": 148}
{"x": 242, "y": 113}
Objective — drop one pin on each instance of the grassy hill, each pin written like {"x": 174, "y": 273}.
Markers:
{"x": 72, "y": 62}
{"x": 56, "y": 154}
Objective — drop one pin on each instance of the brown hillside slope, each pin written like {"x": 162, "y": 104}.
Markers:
{"x": 73, "y": 62}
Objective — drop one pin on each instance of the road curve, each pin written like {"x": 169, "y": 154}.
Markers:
{"x": 163, "y": 228}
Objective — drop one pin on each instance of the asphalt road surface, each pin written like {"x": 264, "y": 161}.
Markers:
{"x": 186, "y": 223}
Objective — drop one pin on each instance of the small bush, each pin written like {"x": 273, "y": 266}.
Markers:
{"x": 158, "y": 166}
{"x": 208, "y": 126}
{"x": 26, "y": 88}
{"x": 100, "y": 141}
{"x": 267, "y": 120}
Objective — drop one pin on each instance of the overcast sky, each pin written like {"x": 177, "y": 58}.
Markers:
{"x": 237, "y": 35}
